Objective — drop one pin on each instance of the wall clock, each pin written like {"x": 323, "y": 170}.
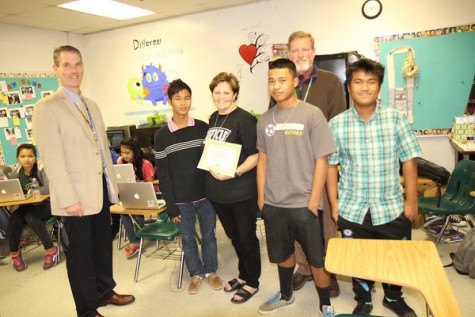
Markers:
{"x": 372, "y": 9}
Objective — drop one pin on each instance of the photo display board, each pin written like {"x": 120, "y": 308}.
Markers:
{"x": 19, "y": 92}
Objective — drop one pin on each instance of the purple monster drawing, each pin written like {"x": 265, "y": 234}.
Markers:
{"x": 155, "y": 84}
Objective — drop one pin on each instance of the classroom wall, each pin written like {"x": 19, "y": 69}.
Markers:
{"x": 24, "y": 49}
{"x": 196, "y": 47}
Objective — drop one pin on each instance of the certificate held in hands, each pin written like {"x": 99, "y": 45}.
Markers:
{"x": 221, "y": 157}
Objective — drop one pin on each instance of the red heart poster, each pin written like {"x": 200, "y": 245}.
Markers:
{"x": 248, "y": 53}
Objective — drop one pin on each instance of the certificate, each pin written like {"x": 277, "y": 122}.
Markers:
{"x": 221, "y": 157}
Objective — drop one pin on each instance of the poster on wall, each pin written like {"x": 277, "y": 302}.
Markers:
{"x": 433, "y": 87}
{"x": 19, "y": 92}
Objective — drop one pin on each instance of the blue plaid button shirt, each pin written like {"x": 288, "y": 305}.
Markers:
{"x": 369, "y": 154}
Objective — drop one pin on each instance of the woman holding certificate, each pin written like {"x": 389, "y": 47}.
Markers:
{"x": 234, "y": 197}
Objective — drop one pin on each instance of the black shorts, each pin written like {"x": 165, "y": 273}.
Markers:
{"x": 397, "y": 229}
{"x": 285, "y": 225}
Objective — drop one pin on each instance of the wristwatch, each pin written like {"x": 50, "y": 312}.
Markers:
{"x": 236, "y": 173}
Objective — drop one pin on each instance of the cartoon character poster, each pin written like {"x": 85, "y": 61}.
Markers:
{"x": 151, "y": 86}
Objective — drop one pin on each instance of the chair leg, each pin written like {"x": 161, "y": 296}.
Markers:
{"x": 439, "y": 237}
{"x": 182, "y": 266}
{"x": 137, "y": 265}
{"x": 468, "y": 220}
{"x": 119, "y": 240}
{"x": 58, "y": 239}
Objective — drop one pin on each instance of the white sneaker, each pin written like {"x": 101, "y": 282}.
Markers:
{"x": 457, "y": 221}
{"x": 328, "y": 311}
{"x": 430, "y": 220}
{"x": 275, "y": 303}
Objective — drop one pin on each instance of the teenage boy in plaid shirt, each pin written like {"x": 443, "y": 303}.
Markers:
{"x": 371, "y": 140}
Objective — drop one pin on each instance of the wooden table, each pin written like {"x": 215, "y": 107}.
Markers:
{"x": 30, "y": 200}
{"x": 472, "y": 193}
{"x": 414, "y": 264}
{"x": 116, "y": 209}
{"x": 120, "y": 210}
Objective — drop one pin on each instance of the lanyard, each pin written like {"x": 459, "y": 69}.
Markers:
{"x": 308, "y": 89}
{"x": 84, "y": 111}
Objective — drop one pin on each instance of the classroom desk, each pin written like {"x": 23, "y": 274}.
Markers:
{"x": 120, "y": 210}
{"x": 461, "y": 148}
{"x": 414, "y": 264}
{"x": 30, "y": 200}
{"x": 472, "y": 193}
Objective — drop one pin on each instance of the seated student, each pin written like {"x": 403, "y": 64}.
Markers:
{"x": 131, "y": 153}
{"x": 32, "y": 214}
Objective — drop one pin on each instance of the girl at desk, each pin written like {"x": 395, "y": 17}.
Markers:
{"x": 131, "y": 153}
{"x": 31, "y": 214}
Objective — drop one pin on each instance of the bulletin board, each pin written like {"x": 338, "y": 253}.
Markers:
{"x": 19, "y": 92}
{"x": 446, "y": 62}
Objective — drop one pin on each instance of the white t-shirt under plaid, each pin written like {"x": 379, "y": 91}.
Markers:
{"x": 369, "y": 154}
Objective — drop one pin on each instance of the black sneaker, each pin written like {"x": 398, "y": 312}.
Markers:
{"x": 363, "y": 308}
{"x": 399, "y": 307}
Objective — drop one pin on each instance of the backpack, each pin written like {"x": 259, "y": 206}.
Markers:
{"x": 464, "y": 258}
{"x": 430, "y": 170}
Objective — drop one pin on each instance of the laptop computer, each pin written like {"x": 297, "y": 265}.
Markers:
{"x": 139, "y": 196}
{"x": 10, "y": 190}
{"x": 124, "y": 173}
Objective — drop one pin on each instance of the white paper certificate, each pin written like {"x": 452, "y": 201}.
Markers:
{"x": 221, "y": 157}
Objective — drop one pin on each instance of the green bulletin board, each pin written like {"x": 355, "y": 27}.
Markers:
{"x": 446, "y": 63}
{"x": 19, "y": 92}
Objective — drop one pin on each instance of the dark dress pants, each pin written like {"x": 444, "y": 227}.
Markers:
{"x": 89, "y": 258}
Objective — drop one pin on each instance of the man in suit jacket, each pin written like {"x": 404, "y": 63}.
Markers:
{"x": 71, "y": 136}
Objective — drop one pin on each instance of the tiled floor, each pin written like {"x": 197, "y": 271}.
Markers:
{"x": 39, "y": 293}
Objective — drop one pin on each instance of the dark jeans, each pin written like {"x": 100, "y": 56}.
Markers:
{"x": 89, "y": 258}
{"x": 33, "y": 215}
{"x": 239, "y": 223}
{"x": 130, "y": 227}
{"x": 203, "y": 210}
{"x": 398, "y": 229}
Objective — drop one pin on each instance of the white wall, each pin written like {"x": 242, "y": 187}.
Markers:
{"x": 26, "y": 49}
{"x": 198, "y": 46}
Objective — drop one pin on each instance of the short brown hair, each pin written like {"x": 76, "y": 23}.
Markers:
{"x": 300, "y": 35}
{"x": 225, "y": 77}
{"x": 64, "y": 48}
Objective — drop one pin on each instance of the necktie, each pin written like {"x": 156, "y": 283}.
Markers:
{"x": 82, "y": 107}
